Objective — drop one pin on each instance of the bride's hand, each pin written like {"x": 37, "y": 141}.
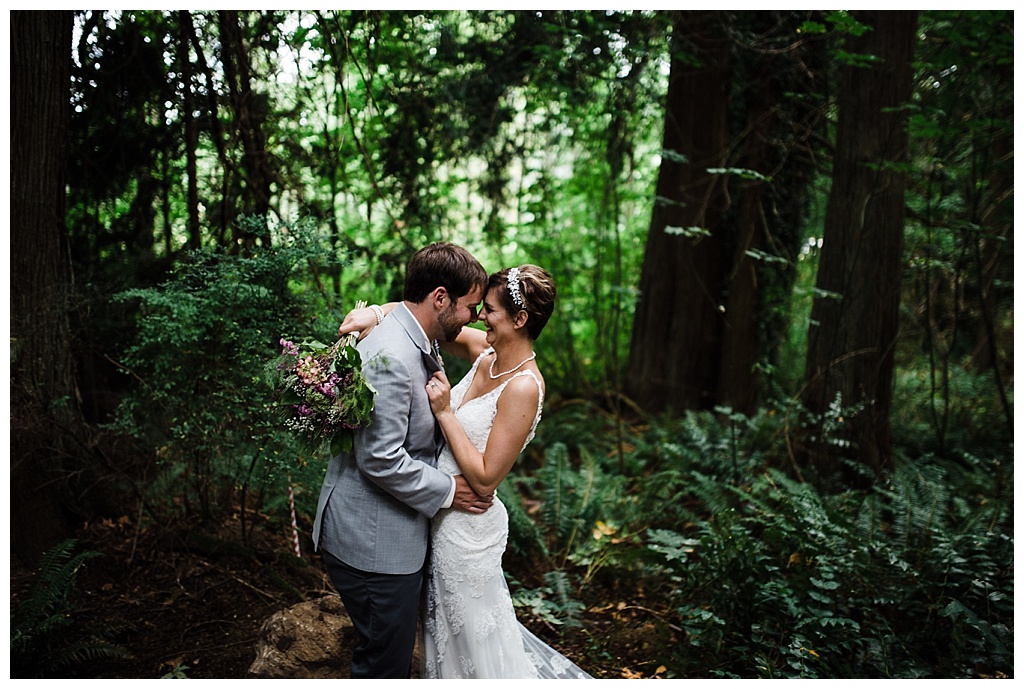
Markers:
{"x": 360, "y": 321}
{"x": 439, "y": 392}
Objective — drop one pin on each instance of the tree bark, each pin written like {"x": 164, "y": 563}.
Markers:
{"x": 737, "y": 382}
{"x": 43, "y": 395}
{"x": 711, "y": 306}
{"x": 996, "y": 216}
{"x": 250, "y": 115}
{"x": 674, "y": 352}
{"x": 191, "y": 129}
{"x": 855, "y": 317}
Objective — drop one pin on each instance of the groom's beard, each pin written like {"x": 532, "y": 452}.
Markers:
{"x": 449, "y": 322}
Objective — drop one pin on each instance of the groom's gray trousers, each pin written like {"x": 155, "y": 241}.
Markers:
{"x": 384, "y": 610}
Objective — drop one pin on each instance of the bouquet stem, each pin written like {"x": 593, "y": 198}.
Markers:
{"x": 350, "y": 339}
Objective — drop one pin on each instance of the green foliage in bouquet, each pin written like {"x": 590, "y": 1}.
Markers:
{"x": 323, "y": 394}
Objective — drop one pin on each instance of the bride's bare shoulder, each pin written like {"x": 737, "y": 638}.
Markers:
{"x": 529, "y": 385}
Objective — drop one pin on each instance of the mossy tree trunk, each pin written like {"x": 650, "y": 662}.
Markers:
{"x": 674, "y": 353}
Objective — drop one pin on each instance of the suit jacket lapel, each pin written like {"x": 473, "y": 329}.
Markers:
{"x": 415, "y": 333}
{"x": 431, "y": 362}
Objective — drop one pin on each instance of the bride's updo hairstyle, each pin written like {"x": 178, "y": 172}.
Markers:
{"x": 529, "y": 288}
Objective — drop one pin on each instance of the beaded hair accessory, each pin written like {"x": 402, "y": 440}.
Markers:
{"x": 513, "y": 288}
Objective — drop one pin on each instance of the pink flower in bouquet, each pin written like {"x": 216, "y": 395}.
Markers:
{"x": 321, "y": 391}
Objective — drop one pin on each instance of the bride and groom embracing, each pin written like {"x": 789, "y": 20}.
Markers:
{"x": 407, "y": 523}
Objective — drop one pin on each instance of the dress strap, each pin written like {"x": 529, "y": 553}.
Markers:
{"x": 540, "y": 398}
{"x": 540, "y": 388}
{"x": 480, "y": 358}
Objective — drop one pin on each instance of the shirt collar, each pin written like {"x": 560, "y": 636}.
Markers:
{"x": 424, "y": 340}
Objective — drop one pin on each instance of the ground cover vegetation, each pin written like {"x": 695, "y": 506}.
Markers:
{"x": 778, "y": 435}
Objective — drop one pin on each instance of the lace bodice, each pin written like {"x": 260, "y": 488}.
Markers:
{"x": 477, "y": 415}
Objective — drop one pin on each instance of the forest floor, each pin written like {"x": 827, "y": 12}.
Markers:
{"x": 189, "y": 602}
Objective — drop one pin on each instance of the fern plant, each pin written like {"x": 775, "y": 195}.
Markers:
{"x": 764, "y": 573}
{"x": 778, "y": 580}
{"x": 555, "y": 602}
{"x": 573, "y": 500}
{"x": 575, "y": 506}
{"x": 46, "y": 639}
{"x": 524, "y": 537}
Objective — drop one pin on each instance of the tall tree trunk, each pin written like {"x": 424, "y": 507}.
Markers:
{"x": 222, "y": 218}
{"x": 674, "y": 352}
{"x": 43, "y": 396}
{"x": 995, "y": 215}
{"x": 737, "y": 382}
{"x": 191, "y": 128}
{"x": 772, "y": 136}
{"x": 706, "y": 318}
{"x": 250, "y": 115}
{"x": 854, "y": 322}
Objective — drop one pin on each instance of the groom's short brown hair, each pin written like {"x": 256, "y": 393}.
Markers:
{"x": 442, "y": 264}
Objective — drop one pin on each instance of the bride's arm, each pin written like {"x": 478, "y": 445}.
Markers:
{"x": 517, "y": 407}
{"x": 468, "y": 345}
{"x": 364, "y": 320}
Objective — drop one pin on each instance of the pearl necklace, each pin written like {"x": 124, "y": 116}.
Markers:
{"x": 511, "y": 370}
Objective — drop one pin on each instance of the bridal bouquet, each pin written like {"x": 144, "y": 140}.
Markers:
{"x": 322, "y": 392}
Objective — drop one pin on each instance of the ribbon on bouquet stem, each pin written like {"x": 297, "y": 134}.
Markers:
{"x": 295, "y": 525}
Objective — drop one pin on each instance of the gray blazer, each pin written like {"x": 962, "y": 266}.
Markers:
{"x": 376, "y": 502}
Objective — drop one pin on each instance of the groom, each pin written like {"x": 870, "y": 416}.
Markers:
{"x": 373, "y": 518}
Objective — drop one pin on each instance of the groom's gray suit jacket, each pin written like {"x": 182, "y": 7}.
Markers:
{"x": 376, "y": 502}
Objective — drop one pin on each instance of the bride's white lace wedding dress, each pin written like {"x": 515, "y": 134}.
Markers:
{"x": 470, "y": 628}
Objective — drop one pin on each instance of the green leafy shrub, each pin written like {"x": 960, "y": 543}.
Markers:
{"x": 198, "y": 352}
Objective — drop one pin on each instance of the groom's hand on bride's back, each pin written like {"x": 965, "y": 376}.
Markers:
{"x": 467, "y": 499}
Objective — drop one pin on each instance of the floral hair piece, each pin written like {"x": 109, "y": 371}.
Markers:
{"x": 513, "y": 288}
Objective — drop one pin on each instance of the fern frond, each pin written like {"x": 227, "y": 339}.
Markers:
{"x": 569, "y": 607}
{"x": 86, "y": 650}
{"x": 44, "y": 639}
{"x": 524, "y": 537}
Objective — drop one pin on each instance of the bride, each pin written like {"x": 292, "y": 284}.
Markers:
{"x": 469, "y": 625}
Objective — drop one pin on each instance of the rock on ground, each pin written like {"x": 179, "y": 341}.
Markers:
{"x": 311, "y": 640}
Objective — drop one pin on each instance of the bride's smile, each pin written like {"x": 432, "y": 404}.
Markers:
{"x": 498, "y": 323}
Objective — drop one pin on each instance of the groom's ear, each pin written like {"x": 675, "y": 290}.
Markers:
{"x": 440, "y": 298}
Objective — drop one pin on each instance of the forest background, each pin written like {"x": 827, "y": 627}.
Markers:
{"x": 778, "y": 434}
